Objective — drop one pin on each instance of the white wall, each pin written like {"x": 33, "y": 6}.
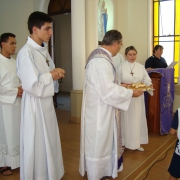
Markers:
{"x": 14, "y": 16}
{"x": 132, "y": 21}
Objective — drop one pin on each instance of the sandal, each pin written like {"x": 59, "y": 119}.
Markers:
{"x": 6, "y": 171}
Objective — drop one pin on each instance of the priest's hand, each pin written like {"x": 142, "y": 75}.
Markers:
{"x": 137, "y": 93}
{"x": 20, "y": 91}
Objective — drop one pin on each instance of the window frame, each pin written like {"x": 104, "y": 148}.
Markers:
{"x": 176, "y": 36}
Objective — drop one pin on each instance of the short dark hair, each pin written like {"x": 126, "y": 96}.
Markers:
{"x": 129, "y": 49}
{"x": 110, "y": 37}
{"x": 157, "y": 47}
{"x": 38, "y": 19}
{"x": 5, "y": 36}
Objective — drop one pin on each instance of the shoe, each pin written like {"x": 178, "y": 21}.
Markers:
{"x": 106, "y": 178}
{"x": 140, "y": 149}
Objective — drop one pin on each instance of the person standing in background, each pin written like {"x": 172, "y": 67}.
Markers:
{"x": 10, "y": 106}
{"x": 156, "y": 61}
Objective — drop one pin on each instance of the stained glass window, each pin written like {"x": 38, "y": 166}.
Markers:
{"x": 166, "y": 30}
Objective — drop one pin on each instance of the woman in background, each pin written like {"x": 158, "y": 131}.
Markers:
{"x": 156, "y": 60}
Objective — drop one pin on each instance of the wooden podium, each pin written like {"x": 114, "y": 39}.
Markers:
{"x": 153, "y": 105}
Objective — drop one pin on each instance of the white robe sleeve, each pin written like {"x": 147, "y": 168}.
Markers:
{"x": 101, "y": 74}
{"x": 8, "y": 95}
{"x": 118, "y": 60}
{"x": 33, "y": 83}
{"x": 147, "y": 80}
{"x": 51, "y": 67}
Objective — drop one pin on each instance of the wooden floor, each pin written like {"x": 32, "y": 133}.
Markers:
{"x": 136, "y": 164}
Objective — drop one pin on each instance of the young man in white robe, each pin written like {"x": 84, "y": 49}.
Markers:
{"x": 100, "y": 124}
{"x": 10, "y": 106}
{"x": 41, "y": 154}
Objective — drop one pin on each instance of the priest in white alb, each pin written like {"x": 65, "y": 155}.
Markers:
{"x": 101, "y": 145}
{"x": 41, "y": 154}
{"x": 10, "y": 106}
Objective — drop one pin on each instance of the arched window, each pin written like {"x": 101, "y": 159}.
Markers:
{"x": 166, "y": 30}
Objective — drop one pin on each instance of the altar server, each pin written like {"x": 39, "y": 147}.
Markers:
{"x": 41, "y": 155}
{"x": 10, "y": 106}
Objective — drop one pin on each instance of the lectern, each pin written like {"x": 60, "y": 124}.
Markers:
{"x": 159, "y": 107}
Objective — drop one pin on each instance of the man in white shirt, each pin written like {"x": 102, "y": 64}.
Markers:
{"x": 101, "y": 146}
{"x": 41, "y": 155}
{"x": 10, "y": 105}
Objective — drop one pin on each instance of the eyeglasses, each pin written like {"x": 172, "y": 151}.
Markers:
{"x": 120, "y": 42}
